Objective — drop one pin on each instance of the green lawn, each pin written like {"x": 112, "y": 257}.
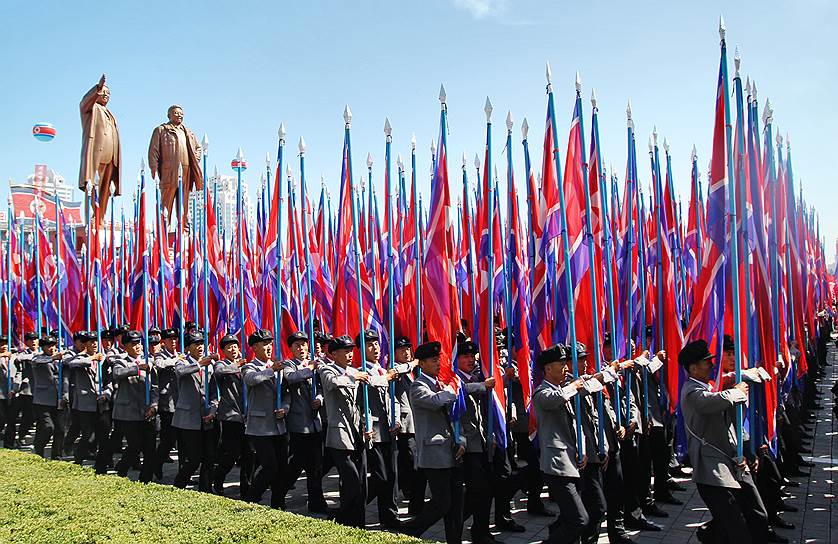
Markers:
{"x": 48, "y": 501}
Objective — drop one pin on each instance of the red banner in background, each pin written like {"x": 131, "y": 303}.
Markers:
{"x": 24, "y": 201}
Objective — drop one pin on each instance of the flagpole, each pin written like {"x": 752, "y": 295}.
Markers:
{"x": 205, "y": 274}
{"x": 734, "y": 246}
{"x": 161, "y": 233}
{"x": 699, "y": 249}
{"x": 391, "y": 303}
{"x": 510, "y": 257}
{"x": 239, "y": 166}
{"x": 36, "y": 237}
{"x": 773, "y": 252}
{"x": 144, "y": 257}
{"x": 307, "y": 256}
{"x": 347, "y": 117}
{"x": 60, "y": 328}
{"x": 470, "y": 259}
{"x": 179, "y": 228}
{"x": 490, "y": 259}
{"x": 278, "y": 286}
{"x": 113, "y": 261}
{"x": 592, "y": 264}
{"x": 10, "y": 216}
{"x": 643, "y": 288}
{"x": 417, "y": 243}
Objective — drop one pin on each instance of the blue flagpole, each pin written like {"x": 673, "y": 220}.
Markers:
{"x": 417, "y": 243}
{"x": 204, "y": 273}
{"x": 58, "y": 282}
{"x": 391, "y": 303}
{"x": 347, "y": 117}
{"x": 643, "y": 288}
{"x": 114, "y": 286}
{"x": 38, "y": 269}
{"x": 370, "y": 214}
{"x": 773, "y": 253}
{"x": 509, "y": 249}
{"x": 11, "y": 217}
{"x": 734, "y": 246}
{"x": 307, "y": 257}
{"x": 144, "y": 257}
{"x": 180, "y": 228}
{"x": 490, "y": 259}
{"x": 470, "y": 259}
{"x": 162, "y": 233}
{"x": 278, "y": 286}
{"x": 240, "y": 239}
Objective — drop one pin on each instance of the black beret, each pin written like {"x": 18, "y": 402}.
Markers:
{"x": 402, "y": 342}
{"x": 370, "y": 335}
{"x": 694, "y": 352}
{"x": 262, "y": 335}
{"x": 728, "y": 344}
{"x": 553, "y": 354}
{"x": 167, "y": 334}
{"x": 296, "y": 337}
{"x": 31, "y": 336}
{"x": 428, "y": 350}
{"x": 467, "y": 348}
{"x": 193, "y": 337}
{"x": 228, "y": 339}
{"x": 48, "y": 340}
{"x": 132, "y": 337}
{"x": 341, "y": 342}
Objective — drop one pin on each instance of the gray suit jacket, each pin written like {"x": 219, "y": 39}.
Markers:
{"x": 23, "y": 364}
{"x": 434, "y": 433}
{"x": 8, "y": 370}
{"x": 709, "y": 420}
{"x": 302, "y": 418}
{"x": 85, "y": 390}
{"x": 556, "y": 430}
{"x": 192, "y": 398}
{"x": 472, "y": 423}
{"x": 341, "y": 393}
{"x": 379, "y": 402}
{"x": 45, "y": 381}
{"x": 261, "y": 385}
{"x": 403, "y": 384}
{"x": 129, "y": 398}
{"x": 227, "y": 378}
{"x": 164, "y": 363}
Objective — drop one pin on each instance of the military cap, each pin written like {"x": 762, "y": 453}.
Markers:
{"x": 428, "y": 350}
{"x": 107, "y": 334}
{"x": 694, "y": 352}
{"x": 77, "y": 336}
{"x": 581, "y": 350}
{"x": 553, "y": 354}
{"x": 190, "y": 325}
{"x": 228, "y": 339}
{"x": 370, "y": 335}
{"x": 461, "y": 337}
{"x": 48, "y": 340}
{"x": 341, "y": 342}
{"x": 606, "y": 338}
{"x": 153, "y": 339}
{"x": 132, "y": 337}
{"x": 298, "y": 336}
{"x": 154, "y": 330}
{"x": 728, "y": 344}
{"x": 650, "y": 330}
{"x": 322, "y": 338}
{"x": 121, "y": 329}
{"x": 402, "y": 342}
{"x": 168, "y": 334}
{"x": 31, "y": 336}
{"x": 88, "y": 336}
{"x": 467, "y": 348}
{"x": 262, "y": 335}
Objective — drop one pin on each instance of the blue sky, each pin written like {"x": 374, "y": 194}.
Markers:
{"x": 239, "y": 69}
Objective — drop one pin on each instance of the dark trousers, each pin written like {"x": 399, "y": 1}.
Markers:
{"x": 350, "y": 465}
{"x": 739, "y": 516}
{"x": 49, "y": 423}
{"x": 614, "y": 490}
{"x": 573, "y": 518}
{"x": 661, "y": 452}
{"x": 104, "y": 453}
{"x": 73, "y": 431}
{"x": 22, "y": 408}
{"x": 636, "y": 467}
{"x": 528, "y": 478}
{"x": 593, "y": 497}
{"x": 769, "y": 483}
{"x": 87, "y": 435}
{"x": 503, "y": 487}
{"x": 5, "y": 412}
{"x": 446, "y": 503}
{"x": 478, "y": 499}
{"x": 381, "y": 485}
{"x": 272, "y": 456}
{"x": 306, "y": 453}
{"x": 234, "y": 447}
{"x": 140, "y": 437}
{"x": 168, "y": 437}
{"x": 412, "y": 481}
{"x": 197, "y": 448}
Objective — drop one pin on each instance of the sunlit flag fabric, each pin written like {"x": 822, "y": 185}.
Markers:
{"x": 141, "y": 265}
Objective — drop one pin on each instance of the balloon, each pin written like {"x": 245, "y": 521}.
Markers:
{"x": 43, "y": 132}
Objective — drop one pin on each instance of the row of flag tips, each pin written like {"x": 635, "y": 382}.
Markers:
{"x": 583, "y": 256}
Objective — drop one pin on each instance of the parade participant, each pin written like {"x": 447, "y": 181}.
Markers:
{"x": 74, "y": 427}
{"x": 9, "y": 385}
{"x": 476, "y": 463}
{"x": 341, "y": 393}
{"x": 723, "y": 481}
{"x": 89, "y": 397}
{"x": 385, "y": 424}
{"x": 303, "y": 421}
{"x": 265, "y": 425}
{"x": 51, "y": 388}
{"x": 107, "y": 343}
{"x": 438, "y": 454}
{"x": 234, "y": 445}
{"x": 560, "y": 460}
{"x": 195, "y": 413}
{"x": 412, "y": 481}
{"x": 135, "y": 404}
{"x": 164, "y": 363}
{"x": 21, "y": 406}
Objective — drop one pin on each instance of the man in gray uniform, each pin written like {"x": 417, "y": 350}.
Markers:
{"x": 304, "y": 425}
{"x": 560, "y": 459}
{"x": 51, "y": 387}
{"x": 135, "y": 404}
{"x": 234, "y": 446}
{"x": 265, "y": 427}
{"x": 439, "y": 454}
{"x": 22, "y": 403}
{"x": 195, "y": 411}
{"x": 9, "y": 384}
{"x": 341, "y": 393}
{"x": 411, "y": 480}
{"x": 723, "y": 479}
{"x": 90, "y": 395}
{"x": 164, "y": 364}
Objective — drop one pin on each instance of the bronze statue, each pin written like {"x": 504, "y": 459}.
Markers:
{"x": 100, "y": 150}
{"x": 173, "y": 145}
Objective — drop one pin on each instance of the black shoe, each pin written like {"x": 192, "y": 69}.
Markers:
{"x": 642, "y": 524}
{"x": 803, "y": 463}
{"x": 668, "y": 498}
{"x": 318, "y": 508}
{"x": 540, "y": 510}
{"x": 619, "y": 538}
{"x": 392, "y": 525}
{"x": 675, "y": 486}
{"x": 777, "y": 521}
{"x": 774, "y": 537}
{"x": 654, "y": 511}
{"x": 787, "y": 507}
{"x": 678, "y": 472}
{"x": 509, "y": 525}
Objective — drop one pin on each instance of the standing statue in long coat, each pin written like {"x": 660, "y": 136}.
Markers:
{"x": 100, "y": 149}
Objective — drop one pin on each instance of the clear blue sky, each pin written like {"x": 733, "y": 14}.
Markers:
{"x": 239, "y": 69}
